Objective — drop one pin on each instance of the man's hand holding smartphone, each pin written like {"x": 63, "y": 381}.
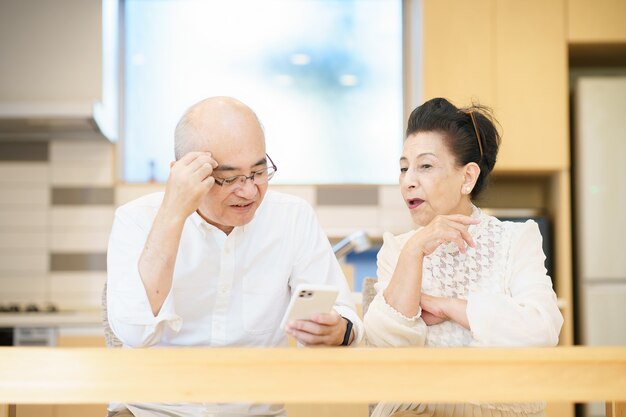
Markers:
{"x": 323, "y": 329}
{"x": 311, "y": 319}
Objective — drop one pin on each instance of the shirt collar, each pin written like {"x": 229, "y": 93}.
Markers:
{"x": 206, "y": 227}
{"x": 476, "y": 229}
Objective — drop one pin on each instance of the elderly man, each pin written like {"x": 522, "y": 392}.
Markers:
{"x": 213, "y": 260}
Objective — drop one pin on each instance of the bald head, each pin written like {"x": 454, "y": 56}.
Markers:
{"x": 222, "y": 121}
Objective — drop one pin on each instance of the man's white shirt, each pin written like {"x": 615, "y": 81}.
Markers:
{"x": 227, "y": 290}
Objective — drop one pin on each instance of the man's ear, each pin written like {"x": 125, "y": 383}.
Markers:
{"x": 172, "y": 164}
{"x": 471, "y": 172}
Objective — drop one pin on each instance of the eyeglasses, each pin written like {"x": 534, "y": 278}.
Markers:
{"x": 261, "y": 176}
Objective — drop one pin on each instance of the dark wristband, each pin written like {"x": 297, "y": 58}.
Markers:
{"x": 346, "y": 337}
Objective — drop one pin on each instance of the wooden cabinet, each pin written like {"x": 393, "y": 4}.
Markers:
{"x": 531, "y": 100}
{"x": 458, "y": 50}
{"x": 598, "y": 21}
{"x": 80, "y": 340}
{"x": 511, "y": 56}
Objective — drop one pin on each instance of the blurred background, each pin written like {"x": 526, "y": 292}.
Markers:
{"x": 90, "y": 92}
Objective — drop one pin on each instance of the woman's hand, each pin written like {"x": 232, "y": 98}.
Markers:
{"x": 432, "y": 309}
{"x": 436, "y": 310}
{"x": 443, "y": 228}
{"x": 404, "y": 289}
{"x": 430, "y": 319}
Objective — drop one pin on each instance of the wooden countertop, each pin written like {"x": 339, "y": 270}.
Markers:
{"x": 324, "y": 375}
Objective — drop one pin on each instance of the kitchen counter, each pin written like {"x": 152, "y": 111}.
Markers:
{"x": 83, "y": 318}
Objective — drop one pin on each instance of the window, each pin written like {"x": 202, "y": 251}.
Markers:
{"x": 324, "y": 77}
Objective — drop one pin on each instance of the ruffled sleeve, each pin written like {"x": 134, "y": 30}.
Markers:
{"x": 384, "y": 325}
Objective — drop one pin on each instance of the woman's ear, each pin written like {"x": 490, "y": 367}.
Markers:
{"x": 471, "y": 172}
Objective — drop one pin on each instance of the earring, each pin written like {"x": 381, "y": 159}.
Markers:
{"x": 467, "y": 190}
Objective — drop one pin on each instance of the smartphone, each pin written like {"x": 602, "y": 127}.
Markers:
{"x": 309, "y": 299}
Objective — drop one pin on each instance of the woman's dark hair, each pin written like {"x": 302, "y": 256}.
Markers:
{"x": 470, "y": 133}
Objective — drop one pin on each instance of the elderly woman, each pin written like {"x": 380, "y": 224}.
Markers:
{"x": 462, "y": 277}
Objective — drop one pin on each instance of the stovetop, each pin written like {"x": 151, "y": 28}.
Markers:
{"x": 28, "y": 308}
{"x": 14, "y": 315}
